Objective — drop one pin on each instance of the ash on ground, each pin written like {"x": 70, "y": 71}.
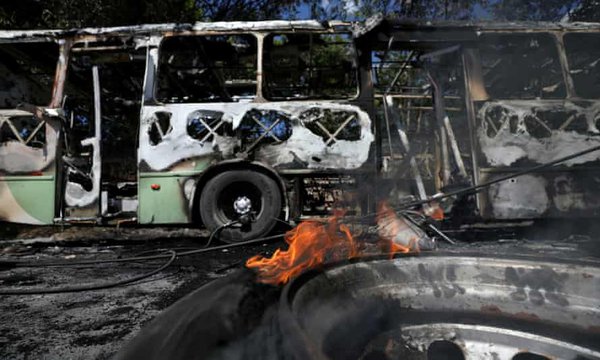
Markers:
{"x": 96, "y": 324}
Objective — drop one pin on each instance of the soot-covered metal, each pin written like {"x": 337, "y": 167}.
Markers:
{"x": 418, "y": 108}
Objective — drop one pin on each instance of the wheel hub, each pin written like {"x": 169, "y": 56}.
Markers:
{"x": 242, "y": 205}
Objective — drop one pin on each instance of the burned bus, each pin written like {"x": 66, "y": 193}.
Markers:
{"x": 238, "y": 125}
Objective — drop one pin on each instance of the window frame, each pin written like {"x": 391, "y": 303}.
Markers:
{"x": 159, "y": 54}
{"x": 52, "y": 92}
{"x": 574, "y": 86}
{"x": 555, "y": 38}
{"x": 355, "y": 60}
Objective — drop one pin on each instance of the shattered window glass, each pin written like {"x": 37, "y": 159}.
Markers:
{"x": 302, "y": 66}
{"x": 332, "y": 125}
{"x": 268, "y": 125}
{"x": 219, "y": 68}
{"x": 521, "y": 66}
{"x": 583, "y": 55}
{"x": 27, "y": 73}
{"x": 204, "y": 124}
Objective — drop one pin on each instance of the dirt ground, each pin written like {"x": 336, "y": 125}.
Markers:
{"x": 95, "y": 324}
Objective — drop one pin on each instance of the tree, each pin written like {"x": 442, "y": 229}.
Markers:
{"x": 36, "y": 14}
{"x": 534, "y": 10}
{"x": 587, "y": 10}
{"x": 414, "y": 9}
{"x": 32, "y": 14}
{"x": 499, "y": 10}
{"x": 228, "y": 10}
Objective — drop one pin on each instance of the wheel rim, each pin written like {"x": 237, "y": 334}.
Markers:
{"x": 235, "y": 198}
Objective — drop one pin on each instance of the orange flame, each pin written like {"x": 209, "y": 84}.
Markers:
{"x": 313, "y": 243}
{"x": 434, "y": 211}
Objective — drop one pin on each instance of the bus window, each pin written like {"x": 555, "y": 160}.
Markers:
{"x": 583, "y": 55}
{"x": 25, "y": 129}
{"x": 203, "y": 125}
{"x": 301, "y": 66}
{"x": 332, "y": 125}
{"x": 219, "y": 68}
{"x": 27, "y": 73}
{"x": 160, "y": 126}
{"x": 521, "y": 66}
{"x": 268, "y": 126}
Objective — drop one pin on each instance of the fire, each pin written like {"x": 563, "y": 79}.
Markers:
{"x": 313, "y": 243}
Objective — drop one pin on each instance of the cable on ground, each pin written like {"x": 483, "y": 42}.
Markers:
{"x": 172, "y": 255}
{"x": 23, "y": 264}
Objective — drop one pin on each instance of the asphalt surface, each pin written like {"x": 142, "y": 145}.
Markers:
{"x": 96, "y": 324}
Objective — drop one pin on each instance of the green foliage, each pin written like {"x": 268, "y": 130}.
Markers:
{"x": 535, "y": 10}
{"x": 587, "y": 10}
{"x": 413, "y": 9}
{"x": 507, "y": 10}
{"x": 31, "y": 14}
{"x": 219, "y": 10}
{"x": 36, "y": 14}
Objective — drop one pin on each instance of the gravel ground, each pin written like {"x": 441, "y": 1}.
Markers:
{"x": 95, "y": 324}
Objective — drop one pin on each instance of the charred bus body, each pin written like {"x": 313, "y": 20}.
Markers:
{"x": 210, "y": 122}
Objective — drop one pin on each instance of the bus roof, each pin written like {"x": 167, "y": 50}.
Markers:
{"x": 149, "y": 29}
{"x": 372, "y": 25}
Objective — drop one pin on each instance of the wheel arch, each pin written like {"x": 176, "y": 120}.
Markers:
{"x": 228, "y": 165}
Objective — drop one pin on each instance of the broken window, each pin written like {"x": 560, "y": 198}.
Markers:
{"x": 583, "y": 55}
{"x": 386, "y": 65}
{"x": 300, "y": 66}
{"x": 332, "y": 125}
{"x": 521, "y": 66}
{"x": 27, "y": 130}
{"x": 412, "y": 106}
{"x": 160, "y": 126}
{"x": 204, "y": 124}
{"x": 27, "y": 73}
{"x": 219, "y": 68}
{"x": 267, "y": 126}
{"x": 539, "y": 121}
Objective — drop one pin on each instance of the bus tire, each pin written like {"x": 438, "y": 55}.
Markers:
{"x": 223, "y": 192}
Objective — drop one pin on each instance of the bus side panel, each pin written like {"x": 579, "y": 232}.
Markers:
{"x": 515, "y": 135}
{"x": 28, "y": 168}
{"x": 163, "y": 198}
{"x": 27, "y": 199}
{"x": 527, "y": 113}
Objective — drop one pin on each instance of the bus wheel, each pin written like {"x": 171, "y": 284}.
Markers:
{"x": 249, "y": 199}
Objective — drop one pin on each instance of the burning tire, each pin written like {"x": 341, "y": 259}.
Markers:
{"x": 240, "y": 204}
